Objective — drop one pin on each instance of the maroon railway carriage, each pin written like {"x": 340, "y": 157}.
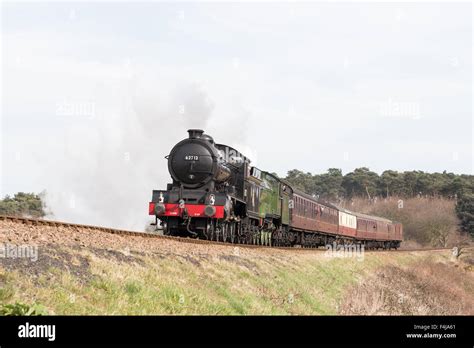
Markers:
{"x": 310, "y": 215}
{"x": 378, "y": 231}
{"x": 331, "y": 223}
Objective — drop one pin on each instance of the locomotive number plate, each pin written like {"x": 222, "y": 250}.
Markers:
{"x": 191, "y": 158}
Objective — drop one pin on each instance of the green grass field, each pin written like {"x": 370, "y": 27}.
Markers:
{"x": 230, "y": 282}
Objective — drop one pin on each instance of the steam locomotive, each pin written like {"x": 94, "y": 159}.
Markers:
{"x": 216, "y": 194}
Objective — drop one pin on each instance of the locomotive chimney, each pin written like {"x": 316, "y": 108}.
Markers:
{"x": 195, "y": 133}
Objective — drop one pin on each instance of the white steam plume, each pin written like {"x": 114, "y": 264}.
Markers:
{"x": 114, "y": 161}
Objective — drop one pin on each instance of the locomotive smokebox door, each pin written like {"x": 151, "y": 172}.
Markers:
{"x": 195, "y": 161}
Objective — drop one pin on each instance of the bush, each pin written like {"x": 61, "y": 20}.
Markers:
{"x": 426, "y": 221}
{"x": 24, "y": 205}
{"x": 465, "y": 212}
{"x": 22, "y": 309}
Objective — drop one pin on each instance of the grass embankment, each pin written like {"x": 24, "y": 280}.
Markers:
{"x": 108, "y": 274}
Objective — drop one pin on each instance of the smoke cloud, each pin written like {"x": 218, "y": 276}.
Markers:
{"x": 94, "y": 135}
{"x": 114, "y": 160}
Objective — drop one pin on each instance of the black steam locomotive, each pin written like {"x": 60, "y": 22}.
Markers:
{"x": 217, "y": 195}
{"x": 206, "y": 198}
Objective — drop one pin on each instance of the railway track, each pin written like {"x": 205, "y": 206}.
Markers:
{"x": 92, "y": 228}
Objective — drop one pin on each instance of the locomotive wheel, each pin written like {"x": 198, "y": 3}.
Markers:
{"x": 264, "y": 237}
{"x": 210, "y": 231}
{"x": 255, "y": 235}
{"x": 225, "y": 228}
{"x": 248, "y": 235}
{"x": 243, "y": 234}
{"x": 238, "y": 234}
{"x": 232, "y": 231}
{"x": 165, "y": 228}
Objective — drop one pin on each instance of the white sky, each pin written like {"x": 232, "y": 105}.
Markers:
{"x": 89, "y": 88}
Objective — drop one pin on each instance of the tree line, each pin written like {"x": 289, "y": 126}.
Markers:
{"x": 335, "y": 187}
{"x": 362, "y": 182}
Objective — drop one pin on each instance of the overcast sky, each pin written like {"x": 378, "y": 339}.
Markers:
{"x": 96, "y": 94}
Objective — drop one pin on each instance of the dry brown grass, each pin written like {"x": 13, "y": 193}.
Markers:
{"x": 428, "y": 288}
